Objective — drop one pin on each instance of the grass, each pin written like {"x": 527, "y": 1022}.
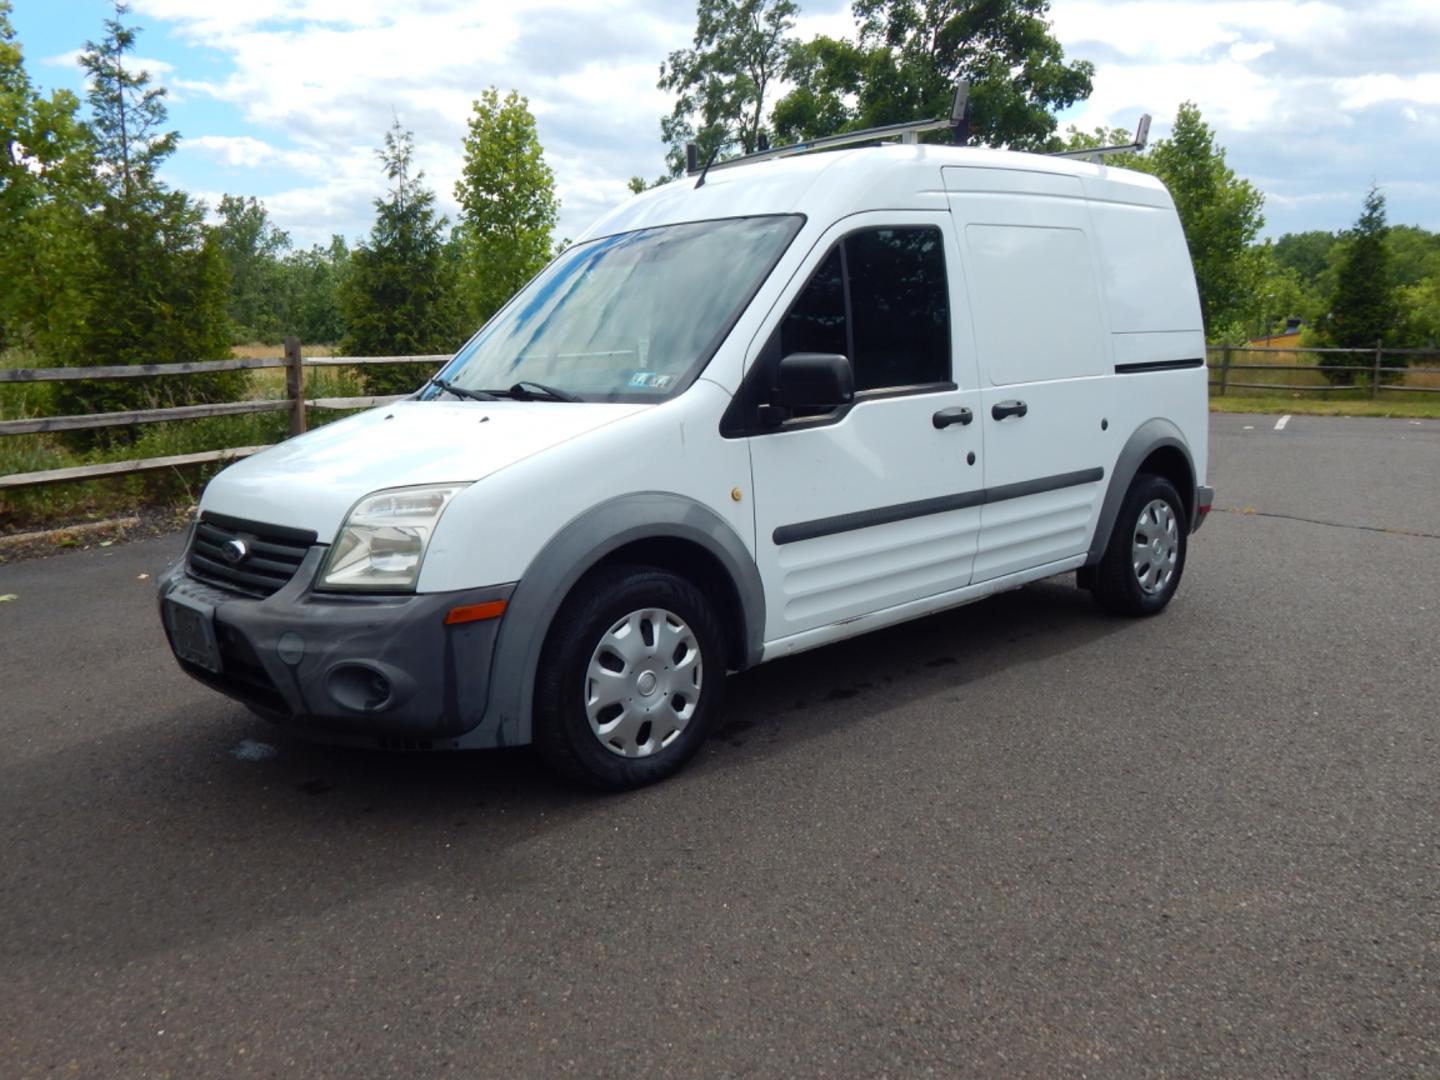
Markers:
{"x": 1311, "y": 396}
{"x": 1413, "y": 406}
{"x": 43, "y": 507}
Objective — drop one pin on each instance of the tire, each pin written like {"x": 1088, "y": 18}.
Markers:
{"x": 1145, "y": 556}
{"x": 631, "y": 678}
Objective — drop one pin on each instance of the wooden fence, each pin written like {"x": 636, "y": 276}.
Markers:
{"x": 294, "y": 402}
{"x": 1373, "y": 376}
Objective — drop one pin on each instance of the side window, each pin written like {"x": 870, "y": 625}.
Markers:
{"x": 816, "y": 321}
{"x": 880, "y": 298}
{"x": 899, "y": 307}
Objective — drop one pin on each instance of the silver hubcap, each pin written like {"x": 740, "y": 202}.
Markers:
{"x": 643, "y": 683}
{"x": 1157, "y": 546}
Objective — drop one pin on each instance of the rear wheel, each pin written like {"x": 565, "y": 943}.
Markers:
{"x": 631, "y": 676}
{"x": 1145, "y": 557}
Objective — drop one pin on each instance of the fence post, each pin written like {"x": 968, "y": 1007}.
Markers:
{"x": 1224, "y": 369}
{"x": 295, "y": 385}
{"x": 1375, "y": 372}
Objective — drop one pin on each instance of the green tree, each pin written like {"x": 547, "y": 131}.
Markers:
{"x": 252, "y": 248}
{"x": 721, "y": 83}
{"x": 1420, "y": 314}
{"x": 155, "y": 290}
{"x": 127, "y": 113}
{"x": 1075, "y": 139}
{"x": 1307, "y": 253}
{"x": 909, "y": 54}
{"x": 399, "y": 297}
{"x": 312, "y": 282}
{"x": 1220, "y": 212}
{"x": 1275, "y": 292}
{"x": 46, "y": 168}
{"x": 1414, "y": 254}
{"x": 1363, "y": 307}
{"x": 508, "y": 207}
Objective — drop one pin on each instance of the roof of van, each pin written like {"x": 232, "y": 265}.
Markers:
{"x": 891, "y": 177}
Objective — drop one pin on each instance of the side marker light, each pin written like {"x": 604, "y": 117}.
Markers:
{"x": 491, "y": 609}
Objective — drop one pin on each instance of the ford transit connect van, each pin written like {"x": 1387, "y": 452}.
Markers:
{"x": 800, "y": 400}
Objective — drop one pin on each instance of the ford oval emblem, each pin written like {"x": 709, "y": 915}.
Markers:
{"x": 234, "y": 551}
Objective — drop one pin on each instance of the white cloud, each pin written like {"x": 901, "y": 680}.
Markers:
{"x": 1282, "y": 82}
{"x": 326, "y": 77}
{"x": 1370, "y": 90}
{"x": 236, "y": 150}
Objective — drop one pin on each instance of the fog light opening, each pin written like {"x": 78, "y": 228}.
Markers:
{"x": 360, "y": 688}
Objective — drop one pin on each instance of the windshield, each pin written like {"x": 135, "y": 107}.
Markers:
{"x": 632, "y": 317}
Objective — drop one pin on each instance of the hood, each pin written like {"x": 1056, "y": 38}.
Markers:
{"x": 310, "y": 482}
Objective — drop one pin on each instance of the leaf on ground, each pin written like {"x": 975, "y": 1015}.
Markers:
{"x": 142, "y": 577}
{"x": 8, "y": 597}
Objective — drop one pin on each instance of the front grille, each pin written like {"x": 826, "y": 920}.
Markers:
{"x": 273, "y": 554}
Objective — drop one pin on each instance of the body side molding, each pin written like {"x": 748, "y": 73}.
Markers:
{"x": 1158, "y": 365}
{"x": 570, "y": 554}
{"x": 884, "y": 515}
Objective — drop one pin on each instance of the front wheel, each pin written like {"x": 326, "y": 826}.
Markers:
{"x": 631, "y": 675}
{"x": 1145, "y": 557}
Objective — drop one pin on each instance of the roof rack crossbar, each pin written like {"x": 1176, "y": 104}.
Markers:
{"x": 1142, "y": 139}
{"x": 907, "y": 132}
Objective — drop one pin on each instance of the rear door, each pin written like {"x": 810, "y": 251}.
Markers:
{"x": 1040, "y": 338}
{"x": 876, "y": 504}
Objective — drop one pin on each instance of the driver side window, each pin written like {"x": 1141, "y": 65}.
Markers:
{"x": 880, "y": 298}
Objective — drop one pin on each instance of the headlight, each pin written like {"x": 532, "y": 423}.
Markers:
{"x": 383, "y": 540}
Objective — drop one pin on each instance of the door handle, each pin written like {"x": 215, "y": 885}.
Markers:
{"x": 1001, "y": 409}
{"x": 958, "y": 415}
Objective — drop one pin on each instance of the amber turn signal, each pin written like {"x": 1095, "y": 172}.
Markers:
{"x": 491, "y": 609}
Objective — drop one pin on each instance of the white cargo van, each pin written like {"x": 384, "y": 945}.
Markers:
{"x": 803, "y": 398}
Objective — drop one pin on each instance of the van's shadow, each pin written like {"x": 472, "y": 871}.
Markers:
{"x": 159, "y": 834}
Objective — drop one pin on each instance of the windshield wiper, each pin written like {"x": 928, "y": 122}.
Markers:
{"x": 525, "y": 388}
{"x": 531, "y": 391}
{"x": 462, "y": 392}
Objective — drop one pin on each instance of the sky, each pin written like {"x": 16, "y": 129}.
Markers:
{"x": 287, "y": 100}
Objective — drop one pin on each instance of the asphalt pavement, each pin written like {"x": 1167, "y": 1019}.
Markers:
{"x": 1023, "y": 838}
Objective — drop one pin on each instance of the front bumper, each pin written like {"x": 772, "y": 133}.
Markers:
{"x": 383, "y": 670}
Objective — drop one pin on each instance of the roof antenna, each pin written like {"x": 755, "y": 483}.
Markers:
{"x": 708, "y": 162}
{"x": 960, "y": 113}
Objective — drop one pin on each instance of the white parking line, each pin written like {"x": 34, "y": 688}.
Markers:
{"x": 1280, "y": 424}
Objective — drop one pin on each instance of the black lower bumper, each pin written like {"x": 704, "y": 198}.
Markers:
{"x": 372, "y": 667}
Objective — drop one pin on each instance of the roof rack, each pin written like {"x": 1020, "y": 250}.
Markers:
{"x": 1142, "y": 137}
{"x": 908, "y": 132}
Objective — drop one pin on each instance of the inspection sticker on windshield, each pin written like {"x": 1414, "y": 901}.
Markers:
{"x": 651, "y": 380}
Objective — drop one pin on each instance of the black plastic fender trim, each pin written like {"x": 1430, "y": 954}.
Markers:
{"x": 569, "y": 555}
{"x": 1146, "y": 439}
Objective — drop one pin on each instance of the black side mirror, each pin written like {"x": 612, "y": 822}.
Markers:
{"x": 815, "y": 381}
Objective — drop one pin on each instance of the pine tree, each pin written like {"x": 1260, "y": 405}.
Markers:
{"x": 399, "y": 298}
{"x": 156, "y": 288}
{"x": 1363, "y": 310}
{"x": 508, "y": 207}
